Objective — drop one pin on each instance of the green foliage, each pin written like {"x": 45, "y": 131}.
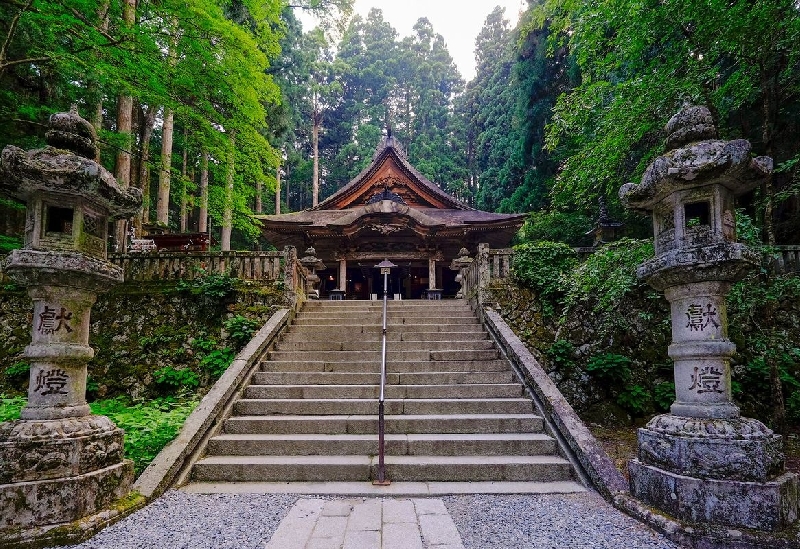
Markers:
{"x": 174, "y": 380}
{"x": 217, "y": 361}
{"x": 541, "y": 267}
{"x": 10, "y": 407}
{"x": 606, "y": 277}
{"x": 148, "y": 425}
{"x": 19, "y": 371}
{"x": 210, "y": 285}
{"x": 635, "y": 399}
{"x": 610, "y": 367}
{"x": 664, "y": 395}
{"x": 561, "y": 354}
{"x": 240, "y": 330}
{"x": 8, "y": 243}
{"x": 570, "y": 228}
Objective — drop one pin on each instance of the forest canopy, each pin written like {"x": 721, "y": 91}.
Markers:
{"x": 222, "y": 109}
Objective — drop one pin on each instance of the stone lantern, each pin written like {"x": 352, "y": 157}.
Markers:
{"x": 59, "y": 463}
{"x": 703, "y": 462}
{"x": 312, "y": 264}
{"x": 460, "y": 264}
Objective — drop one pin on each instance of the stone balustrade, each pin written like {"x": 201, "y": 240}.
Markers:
{"x": 255, "y": 266}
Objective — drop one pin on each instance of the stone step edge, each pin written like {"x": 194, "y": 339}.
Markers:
{"x": 367, "y": 489}
{"x": 499, "y": 437}
{"x": 387, "y": 418}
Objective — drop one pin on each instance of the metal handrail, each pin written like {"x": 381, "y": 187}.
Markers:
{"x": 385, "y": 266}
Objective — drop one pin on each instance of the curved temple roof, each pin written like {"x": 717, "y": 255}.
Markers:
{"x": 390, "y": 197}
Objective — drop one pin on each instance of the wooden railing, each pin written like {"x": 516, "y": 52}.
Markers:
{"x": 145, "y": 267}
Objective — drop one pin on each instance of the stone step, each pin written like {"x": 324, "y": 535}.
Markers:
{"x": 390, "y": 304}
{"x": 335, "y": 330}
{"x": 374, "y": 337}
{"x": 414, "y": 406}
{"x": 393, "y": 366}
{"x": 398, "y": 468}
{"x": 396, "y": 346}
{"x": 467, "y": 351}
{"x": 392, "y": 378}
{"x": 394, "y": 320}
{"x": 317, "y": 392}
{"x": 376, "y": 315}
{"x": 435, "y": 444}
{"x": 396, "y": 489}
{"x": 400, "y": 424}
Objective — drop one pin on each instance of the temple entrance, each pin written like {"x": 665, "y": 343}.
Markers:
{"x": 410, "y": 280}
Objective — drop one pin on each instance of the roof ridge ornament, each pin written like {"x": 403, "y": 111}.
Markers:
{"x": 386, "y": 194}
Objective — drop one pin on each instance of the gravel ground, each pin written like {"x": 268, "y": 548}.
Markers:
{"x": 571, "y": 521}
{"x": 178, "y": 520}
{"x": 243, "y": 521}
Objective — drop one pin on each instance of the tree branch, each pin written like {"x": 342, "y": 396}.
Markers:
{"x": 12, "y": 28}
{"x": 6, "y": 64}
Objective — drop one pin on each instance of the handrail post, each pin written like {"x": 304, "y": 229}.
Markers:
{"x": 381, "y": 480}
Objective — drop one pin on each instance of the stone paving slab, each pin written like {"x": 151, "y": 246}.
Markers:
{"x": 367, "y": 524}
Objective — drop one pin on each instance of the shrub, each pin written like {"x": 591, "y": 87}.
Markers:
{"x": 173, "y": 379}
{"x": 19, "y": 371}
{"x": 541, "y": 267}
{"x": 569, "y": 228}
{"x": 610, "y": 367}
{"x": 634, "y": 399}
{"x": 561, "y": 354}
{"x": 212, "y": 286}
{"x": 10, "y": 407}
{"x": 148, "y": 425}
{"x": 217, "y": 361}
{"x": 664, "y": 395}
{"x": 606, "y": 277}
{"x": 240, "y": 330}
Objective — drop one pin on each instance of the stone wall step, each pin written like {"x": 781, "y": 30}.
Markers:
{"x": 393, "y": 366}
{"x": 368, "y": 424}
{"x": 398, "y": 468}
{"x": 315, "y": 392}
{"x": 414, "y": 406}
{"x": 396, "y": 346}
{"x": 392, "y": 378}
{"x": 434, "y": 444}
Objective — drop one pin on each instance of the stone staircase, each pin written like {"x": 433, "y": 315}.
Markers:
{"x": 455, "y": 412}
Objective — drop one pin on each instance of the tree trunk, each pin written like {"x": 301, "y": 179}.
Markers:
{"x": 317, "y": 120}
{"x": 165, "y": 174}
{"x": 184, "y": 181}
{"x": 144, "y": 163}
{"x": 278, "y": 190}
{"x": 227, "y": 212}
{"x": 122, "y": 167}
{"x": 288, "y": 175}
{"x": 202, "y": 223}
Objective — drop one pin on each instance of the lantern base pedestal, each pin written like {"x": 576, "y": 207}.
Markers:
{"x": 721, "y": 471}
{"x": 59, "y": 470}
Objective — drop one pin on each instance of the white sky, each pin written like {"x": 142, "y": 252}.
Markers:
{"x": 458, "y": 21}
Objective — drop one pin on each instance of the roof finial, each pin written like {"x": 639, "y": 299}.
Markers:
{"x": 388, "y": 130}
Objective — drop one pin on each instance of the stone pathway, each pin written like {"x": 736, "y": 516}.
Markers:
{"x": 374, "y": 523}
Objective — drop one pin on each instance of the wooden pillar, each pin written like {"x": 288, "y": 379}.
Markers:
{"x": 343, "y": 275}
{"x": 431, "y": 273}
